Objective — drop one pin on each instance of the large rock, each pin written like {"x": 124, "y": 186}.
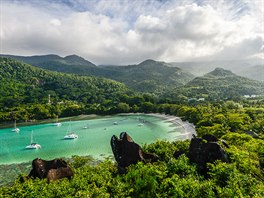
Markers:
{"x": 205, "y": 150}
{"x": 52, "y": 169}
{"x": 59, "y": 173}
{"x": 127, "y": 152}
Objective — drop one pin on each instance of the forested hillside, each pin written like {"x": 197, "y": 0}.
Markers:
{"x": 29, "y": 84}
{"x": 219, "y": 84}
{"x": 22, "y": 84}
{"x": 51, "y": 62}
{"x": 250, "y": 68}
{"x": 148, "y": 76}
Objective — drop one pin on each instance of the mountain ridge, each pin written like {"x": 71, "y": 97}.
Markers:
{"x": 224, "y": 83}
{"x": 147, "y": 76}
{"x": 34, "y": 83}
{"x": 245, "y": 68}
{"x": 220, "y": 73}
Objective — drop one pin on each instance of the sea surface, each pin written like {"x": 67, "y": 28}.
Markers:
{"x": 93, "y": 137}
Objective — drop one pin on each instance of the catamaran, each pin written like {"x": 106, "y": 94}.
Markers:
{"x": 33, "y": 145}
{"x": 70, "y": 134}
{"x": 15, "y": 129}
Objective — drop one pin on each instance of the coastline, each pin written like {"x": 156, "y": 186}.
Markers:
{"x": 10, "y": 171}
{"x": 189, "y": 128}
{"x": 51, "y": 120}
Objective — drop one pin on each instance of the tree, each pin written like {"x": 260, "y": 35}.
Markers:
{"x": 147, "y": 107}
{"x": 123, "y": 107}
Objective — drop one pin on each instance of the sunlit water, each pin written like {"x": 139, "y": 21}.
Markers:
{"x": 94, "y": 137}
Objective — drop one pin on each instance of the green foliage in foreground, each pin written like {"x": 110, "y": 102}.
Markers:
{"x": 170, "y": 177}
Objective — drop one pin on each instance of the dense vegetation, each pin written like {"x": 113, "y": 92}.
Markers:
{"x": 169, "y": 177}
{"x": 241, "y": 177}
{"x": 160, "y": 77}
{"x": 24, "y": 91}
{"x": 148, "y": 76}
{"x": 250, "y": 68}
{"x": 22, "y": 84}
{"x": 219, "y": 84}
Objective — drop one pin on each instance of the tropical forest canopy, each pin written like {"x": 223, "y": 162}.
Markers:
{"x": 148, "y": 76}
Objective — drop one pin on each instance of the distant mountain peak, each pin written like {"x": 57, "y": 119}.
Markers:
{"x": 74, "y": 57}
{"x": 51, "y": 56}
{"x": 148, "y": 61}
{"x": 220, "y": 72}
{"x": 77, "y": 60}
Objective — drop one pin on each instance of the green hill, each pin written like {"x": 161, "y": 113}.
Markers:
{"x": 68, "y": 64}
{"x": 22, "y": 83}
{"x": 251, "y": 68}
{"x": 215, "y": 85}
{"x": 220, "y": 73}
{"x": 148, "y": 76}
{"x": 224, "y": 84}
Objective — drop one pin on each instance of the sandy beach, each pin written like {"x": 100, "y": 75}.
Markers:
{"x": 188, "y": 128}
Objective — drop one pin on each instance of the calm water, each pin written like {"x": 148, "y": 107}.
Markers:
{"x": 93, "y": 140}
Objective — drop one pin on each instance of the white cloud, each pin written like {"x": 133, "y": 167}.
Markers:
{"x": 55, "y": 22}
{"x": 125, "y": 32}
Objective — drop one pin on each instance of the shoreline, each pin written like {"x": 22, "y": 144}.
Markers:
{"x": 189, "y": 128}
{"x": 14, "y": 169}
{"x": 51, "y": 120}
{"x": 186, "y": 133}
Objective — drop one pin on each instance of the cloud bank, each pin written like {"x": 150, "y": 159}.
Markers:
{"x": 126, "y": 32}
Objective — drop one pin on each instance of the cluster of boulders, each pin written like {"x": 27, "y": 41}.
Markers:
{"x": 51, "y": 170}
{"x": 203, "y": 150}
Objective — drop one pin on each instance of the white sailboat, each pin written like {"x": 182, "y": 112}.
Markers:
{"x": 70, "y": 134}
{"x": 57, "y": 123}
{"x": 15, "y": 129}
{"x": 33, "y": 145}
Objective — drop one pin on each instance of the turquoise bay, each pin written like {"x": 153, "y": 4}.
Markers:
{"x": 94, "y": 137}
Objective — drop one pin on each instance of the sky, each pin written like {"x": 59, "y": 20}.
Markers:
{"x": 131, "y": 31}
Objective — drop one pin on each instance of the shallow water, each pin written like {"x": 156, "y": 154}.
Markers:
{"x": 93, "y": 140}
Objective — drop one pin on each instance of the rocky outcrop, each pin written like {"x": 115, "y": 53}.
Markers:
{"x": 52, "y": 169}
{"x": 127, "y": 152}
{"x": 205, "y": 150}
